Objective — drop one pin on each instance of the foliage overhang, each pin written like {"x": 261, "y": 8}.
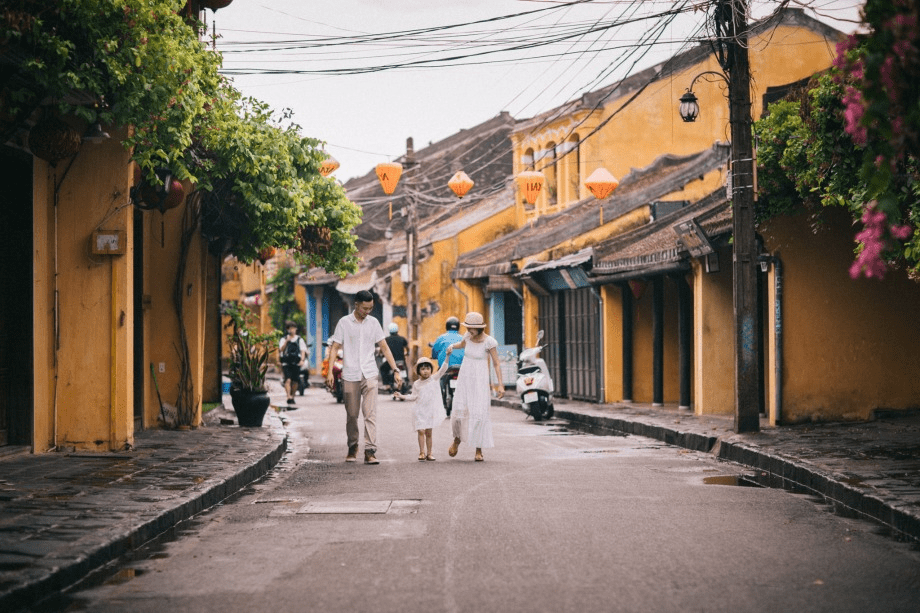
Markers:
{"x": 141, "y": 64}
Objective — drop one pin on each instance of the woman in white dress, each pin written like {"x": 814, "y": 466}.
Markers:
{"x": 473, "y": 397}
{"x": 428, "y": 411}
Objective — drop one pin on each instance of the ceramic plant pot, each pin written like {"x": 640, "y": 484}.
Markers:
{"x": 250, "y": 407}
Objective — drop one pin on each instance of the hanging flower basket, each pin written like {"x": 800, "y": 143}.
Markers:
{"x": 52, "y": 139}
{"x": 316, "y": 240}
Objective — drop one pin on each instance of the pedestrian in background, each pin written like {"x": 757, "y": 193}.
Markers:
{"x": 470, "y": 420}
{"x": 293, "y": 351}
{"x": 358, "y": 333}
{"x": 399, "y": 347}
{"x": 428, "y": 411}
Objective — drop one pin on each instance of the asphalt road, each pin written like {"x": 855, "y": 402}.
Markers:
{"x": 553, "y": 520}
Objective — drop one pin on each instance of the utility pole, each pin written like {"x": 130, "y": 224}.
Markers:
{"x": 412, "y": 297}
{"x": 731, "y": 23}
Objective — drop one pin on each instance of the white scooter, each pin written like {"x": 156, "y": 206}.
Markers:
{"x": 534, "y": 383}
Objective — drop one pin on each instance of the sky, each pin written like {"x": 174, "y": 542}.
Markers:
{"x": 561, "y": 51}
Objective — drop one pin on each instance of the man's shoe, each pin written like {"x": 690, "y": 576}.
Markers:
{"x": 369, "y": 458}
{"x": 454, "y": 448}
{"x": 290, "y": 401}
{"x": 352, "y": 454}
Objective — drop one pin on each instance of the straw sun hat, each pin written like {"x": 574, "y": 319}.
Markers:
{"x": 425, "y": 361}
{"x": 474, "y": 320}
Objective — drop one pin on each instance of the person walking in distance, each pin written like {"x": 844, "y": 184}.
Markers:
{"x": 470, "y": 420}
{"x": 293, "y": 351}
{"x": 428, "y": 411}
{"x": 357, "y": 334}
{"x": 440, "y": 345}
{"x": 399, "y": 347}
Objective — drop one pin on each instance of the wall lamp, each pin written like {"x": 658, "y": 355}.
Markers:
{"x": 689, "y": 105}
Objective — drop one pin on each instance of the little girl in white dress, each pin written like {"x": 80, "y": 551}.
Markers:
{"x": 428, "y": 411}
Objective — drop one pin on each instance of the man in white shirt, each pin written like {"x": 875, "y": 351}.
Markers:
{"x": 357, "y": 334}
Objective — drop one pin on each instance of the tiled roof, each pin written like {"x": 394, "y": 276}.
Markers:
{"x": 484, "y": 152}
{"x": 656, "y": 245}
{"x": 666, "y": 175}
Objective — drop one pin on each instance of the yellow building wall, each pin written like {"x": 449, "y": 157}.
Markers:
{"x": 643, "y": 130}
{"x": 850, "y": 346}
{"x": 612, "y": 319}
{"x": 643, "y": 350}
{"x": 438, "y": 295}
{"x": 83, "y": 345}
{"x": 713, "y": 338}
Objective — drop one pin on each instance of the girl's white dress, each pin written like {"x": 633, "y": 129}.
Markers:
{"x": 428, "y": 408}
{"x": 473, "y": 396}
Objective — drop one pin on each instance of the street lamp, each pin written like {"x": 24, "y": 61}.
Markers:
{"x": 689, "y": 105}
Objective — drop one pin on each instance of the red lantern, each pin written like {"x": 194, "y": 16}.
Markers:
{"x": 601, "y": 183}
{"x": 329, "y": 166}
{"x": 389, "y": 173}
{"x": 460, "y": 183}
{"x": 531, "y": 183}
{"x": 174, "y": 197}
{"x": 266, "y": 253}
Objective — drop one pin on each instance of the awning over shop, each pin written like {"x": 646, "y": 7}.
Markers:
{"x": 561, "y": 274}
{"x": 353, "y": 284}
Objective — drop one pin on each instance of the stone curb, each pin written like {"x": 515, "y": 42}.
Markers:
{"x": 773, "y": 469}
{"x": 89, "y": 556}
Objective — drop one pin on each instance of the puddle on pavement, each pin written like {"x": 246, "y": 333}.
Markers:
{"x": 736, "y": 480}
{"x": 577, "y": 429}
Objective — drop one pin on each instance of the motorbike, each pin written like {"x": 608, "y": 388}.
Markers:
{"x": 304, "y": 382}
{"x": 338, "y": 386}
{"x": 534, "y": 383}
{"x": 448, "y": 386}
{"x": 405, "y": 386}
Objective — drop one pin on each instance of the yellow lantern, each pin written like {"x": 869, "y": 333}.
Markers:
{"x": 601, "y": 183}
{"x": 329, "y": 166}
{"x": 460, "y": 183}
{"x": 531, "y": 183}
{"x": 389, "y": 173}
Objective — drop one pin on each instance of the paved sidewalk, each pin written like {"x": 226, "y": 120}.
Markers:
{"x": 62, "y": 515}
{"x": 865, "y": 469}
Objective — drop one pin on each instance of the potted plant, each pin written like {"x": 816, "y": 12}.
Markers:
{"x": 249, "y": 353}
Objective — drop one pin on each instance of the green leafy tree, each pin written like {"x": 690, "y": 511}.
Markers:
{"x": 807, "y": 161}
{"x": 140, "y": 63}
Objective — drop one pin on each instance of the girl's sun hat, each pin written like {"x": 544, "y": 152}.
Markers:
{"x": 474, "y": 320}
{"x": 424, "y": 361}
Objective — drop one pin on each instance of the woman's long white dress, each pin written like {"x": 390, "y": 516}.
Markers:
{"x": 474, "y": 393}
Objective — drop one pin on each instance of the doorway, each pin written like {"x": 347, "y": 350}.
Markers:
{"x": 16, "y": 331}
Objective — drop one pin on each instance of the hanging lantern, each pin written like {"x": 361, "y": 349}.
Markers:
{"x": 531, "y": 183}
{"x": 315, "y": 240}
{"x": 175, "y": 195}
{"x": 460, "y": 183}
{"x": 389, "y": 173}
{"x": 329, "y": 166}
{"x": 601, "y": 183}
{"x": 637, "y": 286}
{"x": 52, "y": 139}
{"x": 266, "y": 253}
{"x": 216, "y": 4}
